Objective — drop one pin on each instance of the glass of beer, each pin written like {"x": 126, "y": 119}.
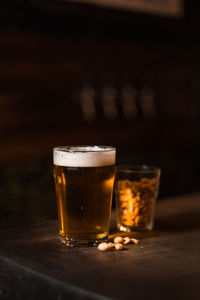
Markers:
{"x": 84, "y": 178}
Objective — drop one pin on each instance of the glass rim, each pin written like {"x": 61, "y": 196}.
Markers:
{"x": 84, "y": 148}
{"x": 138, "y": 169}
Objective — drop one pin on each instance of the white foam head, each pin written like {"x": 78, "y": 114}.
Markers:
{"x": 84, "y": 156}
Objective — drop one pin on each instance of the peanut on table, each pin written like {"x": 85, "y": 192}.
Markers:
{"x": 118, "y": 243}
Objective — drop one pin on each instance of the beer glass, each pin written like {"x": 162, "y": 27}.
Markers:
{"x": 84, "y": 178}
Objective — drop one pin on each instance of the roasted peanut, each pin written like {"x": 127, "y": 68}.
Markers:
{"x": 103, "y": 247}
{"x": 134, "y": 241}
{"x": 126, "y": 240}
{"x": 138, "y": 220}
{"x": 118, "y": 239}
{"x": 118, "y": 246}
{"x": 111, "y": 245}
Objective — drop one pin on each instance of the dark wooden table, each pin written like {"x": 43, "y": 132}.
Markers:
{"x": 164, "y": 265}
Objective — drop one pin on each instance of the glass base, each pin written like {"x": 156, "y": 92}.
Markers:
{"x": 147, "y": 227}
{"x": 74, "y": 242}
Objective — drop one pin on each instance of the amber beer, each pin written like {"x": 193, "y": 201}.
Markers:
{"x": 84, "y": 178}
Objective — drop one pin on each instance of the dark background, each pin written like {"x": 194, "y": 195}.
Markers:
{"x": 54, "y": 56}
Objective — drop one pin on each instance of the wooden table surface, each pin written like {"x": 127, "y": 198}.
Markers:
{"x": 164, "y": 265}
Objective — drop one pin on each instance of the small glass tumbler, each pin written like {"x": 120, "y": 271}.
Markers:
{"x": 136, "y": 190}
